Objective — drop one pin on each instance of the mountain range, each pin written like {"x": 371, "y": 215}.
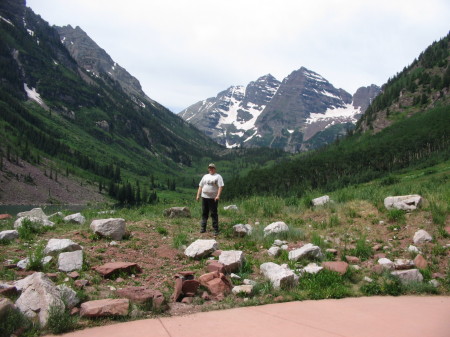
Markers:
{"x": 302, "y": 112}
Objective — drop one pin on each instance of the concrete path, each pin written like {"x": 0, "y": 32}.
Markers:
{"x": 408, "y": 316}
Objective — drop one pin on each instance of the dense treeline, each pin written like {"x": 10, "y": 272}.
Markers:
{"x": 420, "y": 139}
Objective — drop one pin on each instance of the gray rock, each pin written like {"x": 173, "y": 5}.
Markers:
{"x": 407, "y": 276}
{"x": 242, "y": 230}
{"x": 307, "y": 251}
{"x": 56, "y": 246}
{"x": 177, "y": 212}
{"x": 113, "y": 228}
{"x": 246, "y": 288}
{"x": 311, "y": 268}
{"x": 36, "y": 220}
{"x": 232, "y": 260}
{"x": 201, "y": 248}
{"x": 279, "y": 276}
{"x": 401, "y": 264}
{"x": 38, "y": 295}
{"x": 70, "y": 261}
{"x": 413, "y": 249}
{"x": 279, "y": 243}
{"x": 386, "y": 263}
{"x": 434, "y": 283}
{"x": 321, "y": 200}
{"x": 403, "y": 202}
{"x": 274, "y": 251}
{"x": 75, "y": 218}
{"x": 231, "y": 207}
{"x": 9, "y": 235}
{"x": 68, "y": 296}
{"x": 34, "y": 213}
{"x": 276, "y": 227}
{"x": 421, "y": 236}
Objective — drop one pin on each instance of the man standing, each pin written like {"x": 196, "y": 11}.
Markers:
{"x": 210, "y": 188}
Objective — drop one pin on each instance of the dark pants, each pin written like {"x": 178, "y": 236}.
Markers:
{"x": 210, "y": 206}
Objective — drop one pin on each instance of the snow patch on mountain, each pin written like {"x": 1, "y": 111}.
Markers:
{"x": 348, "y": 113}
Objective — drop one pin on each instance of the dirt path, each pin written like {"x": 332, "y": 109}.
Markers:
{"x": 408, "y": 316}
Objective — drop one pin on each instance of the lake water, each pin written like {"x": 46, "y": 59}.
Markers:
{"x": 48, "y": 209}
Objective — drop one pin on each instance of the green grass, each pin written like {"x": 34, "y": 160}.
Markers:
{"x": 60, "y": 320}
{"x": 325, "y": 284}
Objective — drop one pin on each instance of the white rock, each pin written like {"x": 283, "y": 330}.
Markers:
{"x": 113, "y": 243}
{"x": 75, "y": 218}
{"x": 355, "y": 267}
{"x": 201, "y": 248}
{"x": 38, "y": 295}
{"x": 70, "y": 261}
{"x": 434, "y": 283}
{"x": 284, "y": 247}
{"x": 311, "y": 268}
{"x": 274, "y": 251}
{"x": 233, "y": 275}
{"x": 56, "y": 246}
{"x": 247, "y": 289}
{"x": 39, "y": 221}
{"x": 307, "y": 251}
{"x": 242, "y": 230}
{"x": 279, "y": 243}
{"x": 413, "y": 249}
{"x": 279, "y": 276}
{"x": 113, "y": 228}
{"x": 400, "y": 264}
{"x": 276, "y": 227}
{"x": 249, "y": 282}
{"x": 34, "y": 213}
{"x": 403, "y": 202}
{"x": 368, "y": 279}
{"x": 410, "y": 275}
{"x": 232, "y": 260}
{"x": 421, "y": 236}
{"x": 231, "y": 207}
{"x": 321, "y": 200}
{"x": 9, "y": 235}
{"x": 386, "y": 263}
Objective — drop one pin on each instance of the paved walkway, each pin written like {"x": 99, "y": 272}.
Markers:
{"x": 408, "y": 316}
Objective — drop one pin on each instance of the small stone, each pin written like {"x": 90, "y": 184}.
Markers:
{"x": 420, "y": 262}
{"x": 434, "y": 283}
{"x": 340, "y": 267}
{"x": 368, "y": 279}
{"x": 422, "y": 236}
{"x": 274, "y": 251}
{"x": 352, "y": 259}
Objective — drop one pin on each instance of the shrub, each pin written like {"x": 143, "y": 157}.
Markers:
{"x": 60, "y": 320}
{"x": 162, "y": 230}
{"x": 179, "y": 240}
{"x": 362, "y": 249}
{"x": 13, "y": 320}
{"x": 396, "y": 215}
{"x": 36, "y": 258}
{"x": 325, "y": 284}
{"x": 438, "y": 213}
{"x": 29, "y": 229}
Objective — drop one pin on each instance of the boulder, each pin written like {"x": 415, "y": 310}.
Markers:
{"x": 403, "y": 202}
{"x": 386, "y": 263}
{"x": 70, "y": 261}
{"x": 340, "y": 267}
{"x": 112, "y": 228}
{"x": 421, "y": 236}
{"x": 231, "y": 208}
{"x": 279, "y": 276}
{"x": 321, "y": 200}
{"x": 35, "y": 220}
{"x": 216, "y": 283}
{"x": 214, "y": 265}
{"x": 200, "y": 248}
{"x": 34, "y": 213}
{"x": 56, "y": 246}
{"x": 190, "y": 287}
{"x": 75, "y": 218}
{"x": 311, "y": 268}
{"x": 177, "y": 212}
{"x": 107, "y": 307}
{"x": 9, "y": 235}
{"x": 420, "y": 262}
{"x": 246, "y": 289}
{"x": 242, "y": 230}
{"x": 232, "y": 260}
{"x": 68, "y": 295}
{"x": 274, "y": 251}
{"x": 143, "y": 295}
{"x": 307, "y": 251}
{"x": 276, "y": 227}
{"x": 111, "y": 268}
{"x": 38, "y": 294}
{"x": 407, "y": 276}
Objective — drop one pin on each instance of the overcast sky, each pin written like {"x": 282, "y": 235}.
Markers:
{"x": 183, "y": 51}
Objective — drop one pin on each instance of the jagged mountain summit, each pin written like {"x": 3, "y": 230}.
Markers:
{"x": 292, "y": 115}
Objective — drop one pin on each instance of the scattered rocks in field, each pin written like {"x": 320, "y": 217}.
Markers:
{"x": 200, "y": 248}
{"x": 177, "y": 212}
{"x": 403, "y": 202}
{"x": 246, "y": 289}
{"x": 56, "y": 246}
{"x": 340, "y": 267}
{"x": 232, "y": 260}
{"x": 242, "y": 230}
{"x": 420, "y": 262}
{"x": 143, "y": 295}
{"x": 107, "y": 307}
{"x": 9, "y": 235}
{"x": 321, "y": 200}
{"x": 217, "y": 284}
{"x": 112, "y": 228}
{"x": 276, "y": 227}
{"x": 70, "y": 261}
{"x": 38, "y": 294}
{"x": 75, "y": 218}
{"x": 407, "y": 276}
{"x": 111, "y": 268}
{"x": 274, "y": 251}
{"x": 279, "y": 276}
{"x": 307, "y": 251}
{"x": 311, "y": 268}
{"x": 231, "y": 208}
{"x": 214, "y": 265}
{"x": 402, "y": 264}
{"x": 421, "y": 236}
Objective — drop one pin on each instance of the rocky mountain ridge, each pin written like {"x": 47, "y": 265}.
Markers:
{"x": 270, "y": 113}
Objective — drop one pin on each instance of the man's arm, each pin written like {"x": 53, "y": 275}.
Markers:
{"x": 199, "y": 192}
{"x": 219, "y": 192}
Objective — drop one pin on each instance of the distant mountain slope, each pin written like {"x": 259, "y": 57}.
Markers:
{"x": 285, "y": 115}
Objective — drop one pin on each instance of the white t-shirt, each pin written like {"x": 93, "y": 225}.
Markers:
{"x": 210, "y": 184}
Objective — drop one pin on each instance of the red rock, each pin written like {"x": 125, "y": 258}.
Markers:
{"x": 214, "y": 265}
{"x": 379, "y": 256}
{"x": 216, "y": 283}
{"x": 186, "y": 274}
{"x": 112, "y": 267}
{"x": 52, "y": 276}
{"x": 278, "y": 299}
{"x": 187, "y": 300}
{"x": 216, "y": 253}
{"x": 81, "y": 283}
{"x": 107, "y": 307}
{"x": 338, "y": 266}
{"x": 377, "y": 247}
{"x": 447, "y": 229}
{"x": 178, "y": 289}
{"x": 378, "y": 269}
{"x": 143, "y": 295}
{"x": 5, "y": 216}
{"x": 205, "y": 278}
{"x": 438, "y": 275}
{"x": 74, "y": 275}
{"x": 420, "y": 262}
{"x": 190, "y": 287}
{"x": 74, "y": 311}
{"x": 206, "y": 296}
{"x": 352, "y": 259}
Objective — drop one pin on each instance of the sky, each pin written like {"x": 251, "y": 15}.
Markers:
{"x": 184, "y": 51}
